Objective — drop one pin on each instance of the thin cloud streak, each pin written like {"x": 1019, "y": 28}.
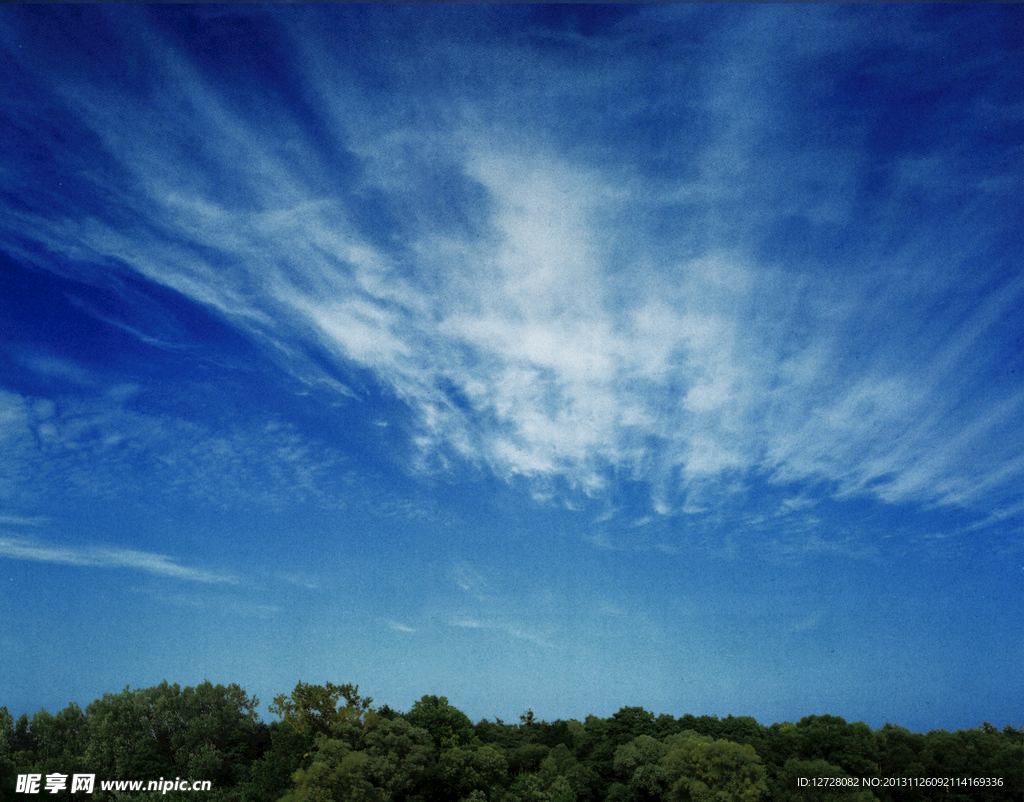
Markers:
{"x": 18, "y": 548}
{"x": 21, "y": 520}
{"x": 502, "y": 626}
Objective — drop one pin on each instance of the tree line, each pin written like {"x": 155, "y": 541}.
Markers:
{"x": 331, "y": 744}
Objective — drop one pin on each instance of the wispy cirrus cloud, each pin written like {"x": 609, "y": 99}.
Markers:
{"x": 488, "y": 609}
{"x": 34, "y": 550}
{"x": 808, "y": 623}
{"x": 88, "y": 445}
{"x": 510, "y": 629}
{"x": 471, "y": 580}
{"x": 22, "y": 520}
{"x": 301, "y": 580}
{"x": 735, "y": 312}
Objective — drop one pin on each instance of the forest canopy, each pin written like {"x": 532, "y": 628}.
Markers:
{"x": 331, "y": 744}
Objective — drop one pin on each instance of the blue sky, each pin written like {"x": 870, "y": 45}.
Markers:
{"x": 553, "y": 357}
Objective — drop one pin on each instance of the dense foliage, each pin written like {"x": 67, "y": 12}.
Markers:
{"x": 333, "y": 745}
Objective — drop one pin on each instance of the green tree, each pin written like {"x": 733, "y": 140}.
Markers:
{"x": 551, "y": 733}
{"x": 629, "y": 722}
{"x": 702, "y": 725}
{"x": 901, "y": 754}
{"x": 7, "y": 773}
{"x": 388, "y": 762}
{"x": 270, "y": 776}
{"x": 23, "y": 742}
{"x": 462, "y": 771}
{"x": 447, "y": 725}
{"x": 400, "y": 757}
{"x": 213, "y": 731}
{"x": 787, "y": 786}
{"x": 202, "y": 733}
{"x": 560, "y": 763}
{"x": 592, "y": 745}
{"x": 852, "y": 747}
{"x": 779, "y": 745}
{"x": 577, "y": 731}
{"x": 639, "y": 765}
{"x": 527, "y": 758}
{"x": 1007, "y": 762}
{"x": 974, "y": 753}
{"x": 742, "y": 730}
{"x": 537, "y": 788}
{"x": 58, "y": 742}
{"x": 318, "y": 709}
{"x": 336, "y": 774}
{"x": 122, "y": 744}
{"x": 507, "y": 736}
{"x": 715, "y": 771}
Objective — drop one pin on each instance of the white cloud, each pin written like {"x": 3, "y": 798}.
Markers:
{"x": 19, "y": 548}
{"x": 600, "y": 539}
{"x": 21, "y": 520}
{"x": 300, "y": 580}
{"x": 86, "y": 446}
{"x": 808, "y": 623}
{"x": 795, "y": 504}
{"x": 470, "y": 580}
{"x": 513, "y": 630}
{"x": 563, "y": 375}
{"x": 580, "y": 340}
